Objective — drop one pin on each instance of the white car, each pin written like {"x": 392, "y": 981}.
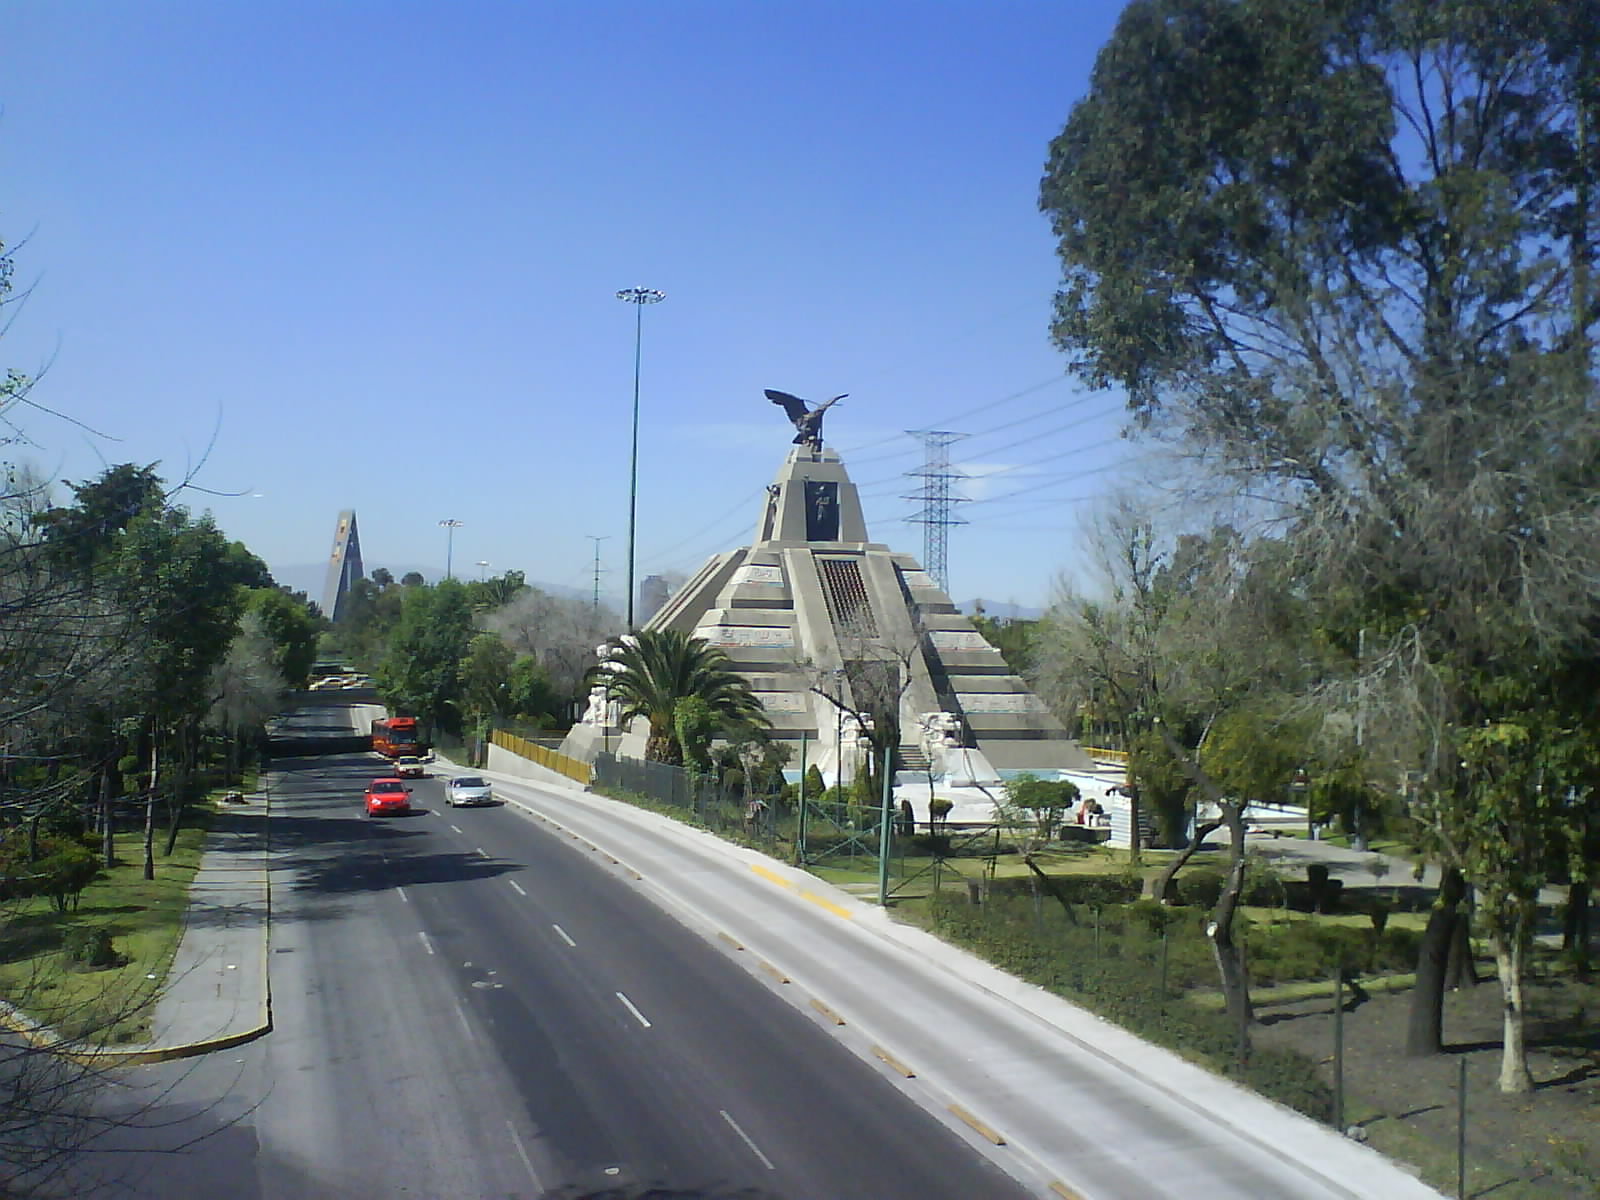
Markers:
{"x": 468, "y": 789}
{"x": 409, "y": 766}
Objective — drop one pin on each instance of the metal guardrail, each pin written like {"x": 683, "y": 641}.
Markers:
{"x": 1101, "y": 754}
{"x": 533, "y": 752}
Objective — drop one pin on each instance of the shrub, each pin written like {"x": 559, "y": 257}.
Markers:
{"x": 1201, "y": 888}
{"x": 86, "y": 946}
{"x": 63, "y": 868}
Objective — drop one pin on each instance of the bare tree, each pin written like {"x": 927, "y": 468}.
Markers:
{"x": 561, "y": 632}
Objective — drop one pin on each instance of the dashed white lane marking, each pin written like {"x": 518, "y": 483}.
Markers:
{"x": 402, "y": 891}
{"x": 426, "y": 944}
{"x": 465, "y": 1024}
{"x": 522, "y": 1153}
{"x": 754, "y": 1149}
{"x": 481, "y": 851}
{"x": 565, "y": 936}
{"x": 457, "y": 828}
{"x": 637, "y": 1014}
{"x": 517, "y": 886}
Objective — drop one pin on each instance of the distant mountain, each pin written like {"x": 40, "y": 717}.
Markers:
{"x": 1000, "y": 611}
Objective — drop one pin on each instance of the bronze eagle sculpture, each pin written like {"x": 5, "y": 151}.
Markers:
{"x": 807, "y": 421}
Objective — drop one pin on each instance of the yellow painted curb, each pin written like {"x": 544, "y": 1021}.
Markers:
{"x": 896, "y": 1064}
{"x": 826, "y": 1011}
{"x": 1064, "y": 1191}
{"x": 978, "y": 1126}
{"x": 770, "y": 876}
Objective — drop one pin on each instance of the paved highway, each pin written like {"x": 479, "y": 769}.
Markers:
{"x": 465, "y": 1005}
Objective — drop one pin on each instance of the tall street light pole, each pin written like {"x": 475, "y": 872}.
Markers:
{"x": 483, "y": 569}
{"x": 638, "y": 297}
{"x": 449, "y": 525}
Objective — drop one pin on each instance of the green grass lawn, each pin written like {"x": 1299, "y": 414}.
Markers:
{"x": 113, "y": 1005}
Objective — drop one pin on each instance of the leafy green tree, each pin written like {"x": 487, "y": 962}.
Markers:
{"x": 656, "y": 669}
{"x": 486, "y": 677}
{"x": 291, "y": 627}
{"x": 694, "y": 725}
{"x": 421, "y": 668}
{"x": 1342, "y": 253}
{"x": 1042, "y": 803}
{"x": 532, "y": 695}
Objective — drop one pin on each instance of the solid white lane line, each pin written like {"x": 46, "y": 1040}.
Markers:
{"x": 565, "y": 936}
{"x": 754, "y": 1149}
{"x": 427, "y": 945}
{"x": 465, "y": 1024}
{"x": 402, "y": 891}
{"x": 457, "y": 828}
{"x": 637, "y": 1014}
{"x": 518, "y": 886}
{"x": 522, "y": 1153}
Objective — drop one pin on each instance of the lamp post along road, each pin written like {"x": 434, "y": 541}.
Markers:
{"x": 449, "y": 525}
{"x": 638, "y": 297}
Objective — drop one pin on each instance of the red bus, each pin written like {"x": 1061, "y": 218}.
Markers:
{"x": 394, "y": 736}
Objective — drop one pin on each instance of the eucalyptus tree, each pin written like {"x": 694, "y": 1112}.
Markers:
{"x": 1342, "y": 254}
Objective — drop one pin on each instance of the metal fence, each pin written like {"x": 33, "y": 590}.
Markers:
{"x": 758, "y": 817}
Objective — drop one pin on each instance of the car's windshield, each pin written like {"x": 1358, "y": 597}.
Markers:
{"x": 470, "y": 781}
{"x": 387, "y": 785}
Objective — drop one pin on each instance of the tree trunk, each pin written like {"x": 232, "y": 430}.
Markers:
{"x": 1575, "y": 923}
{"x": 1163, "y": 882}
{"x": 1509, "y": 948}
{"x": 1425, "y": 1028}
{"x": 150, "y": 815}
{"x": 1459, "y": 970}
{"x": 1050, "y": 886}
{"x": 180, "y": 791}
{"x": 1229, "y": 958}
{"x": 108, "y": 843}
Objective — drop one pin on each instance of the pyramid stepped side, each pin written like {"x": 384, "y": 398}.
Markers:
{"x": 811, "y": 593}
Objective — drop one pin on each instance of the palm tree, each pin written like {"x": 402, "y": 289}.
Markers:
{"x": 651, "y": 671}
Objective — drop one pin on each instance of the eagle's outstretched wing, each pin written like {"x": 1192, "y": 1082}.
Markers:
{"x": 792, "y": 405}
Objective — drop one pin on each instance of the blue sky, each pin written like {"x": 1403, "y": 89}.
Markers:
{"x": 375, "y": 247}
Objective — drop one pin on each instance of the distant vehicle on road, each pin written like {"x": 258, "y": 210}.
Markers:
{"x": 388, "y": 797}
{"x": 394, "y": 736}
{"x": 468, "y": 789}
{"x": 332, "y": 684}
{"x": 409, "y": 766}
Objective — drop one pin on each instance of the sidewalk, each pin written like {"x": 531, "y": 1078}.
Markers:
{"x": 218, "y": 993}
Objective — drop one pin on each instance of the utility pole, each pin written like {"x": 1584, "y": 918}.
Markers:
{"x": 595, "y": 606}
{"x": 935, "y": 515}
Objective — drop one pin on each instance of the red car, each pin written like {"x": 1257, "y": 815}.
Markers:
{"x": 388, "y": 796}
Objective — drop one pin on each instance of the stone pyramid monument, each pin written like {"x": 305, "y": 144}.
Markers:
{"x": 812, "y": 608}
